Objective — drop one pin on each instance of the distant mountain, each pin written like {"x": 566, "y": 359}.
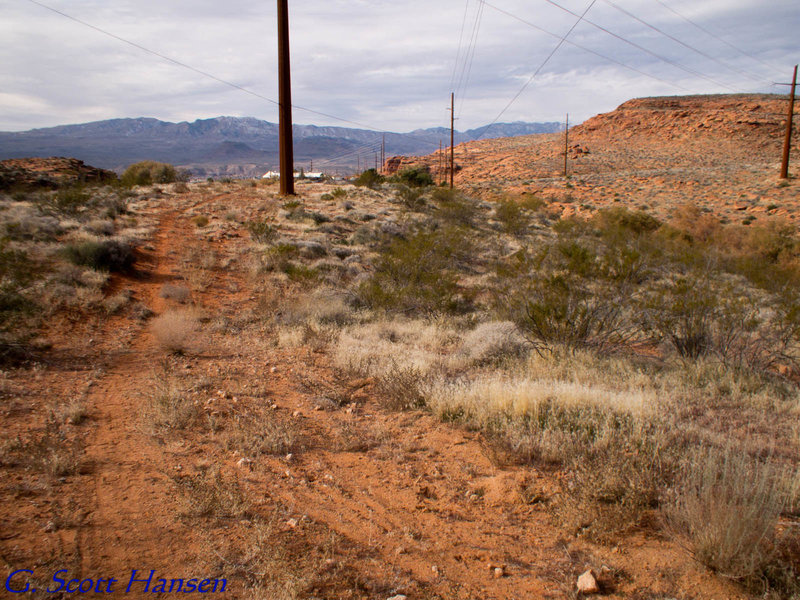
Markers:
{"x": 232, "y": 145}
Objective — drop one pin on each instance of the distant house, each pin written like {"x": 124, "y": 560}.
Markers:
{"x": 311, "y": 176}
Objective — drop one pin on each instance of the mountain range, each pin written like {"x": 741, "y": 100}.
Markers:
{"x": 235, "y": 146}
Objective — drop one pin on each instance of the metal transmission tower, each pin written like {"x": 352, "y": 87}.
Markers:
{"x": 286, "y": 146}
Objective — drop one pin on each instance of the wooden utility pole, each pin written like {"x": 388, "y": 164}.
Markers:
{"x": 787, "y": 142}
{"x": 439, "y": 164}
{"x": 383, "y": 152}
{"x": 452, "y": 136}
{"x": 566, "y": 145}
{"x": 286, "y": 147}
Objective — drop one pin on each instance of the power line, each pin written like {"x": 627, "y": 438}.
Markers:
{"x": 643, "y": 49}
{"x": 716, "y": 37}
{"x": 678, "y": 41}
{"x": 585, "y": 49}
{"x": 211, "y": 76}
{"x": 460, "y": 41}
{"x": 535, "y": 73}
{"x": 469, "y": 57}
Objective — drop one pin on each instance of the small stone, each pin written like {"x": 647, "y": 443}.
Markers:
{"x": 399, "y": 597}
{"x": 273, "y": 370}
{"x": 297, "y": 413}
{"x": 587, "y": 583}
{"x": 243, "y": 462}
{"x": 289, "y": 456}
{"x": 292, "y": 523}
{"x": 436, "y": 570}
{"x": 498, "y": 573}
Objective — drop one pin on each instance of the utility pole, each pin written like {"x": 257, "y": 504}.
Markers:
{"x": 439, "y": 163}
{"x": 566, "y": 146}
{"x": 383, "y": 152}
{"x": 787, "y": 142}
{"x": 376, "y": 161}
{"x": 452, "y": 136}
{"x": 286, "y": 148}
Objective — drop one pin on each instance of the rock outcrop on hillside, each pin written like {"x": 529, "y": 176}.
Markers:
{"x": 758, "y": 119}
{"x": 49, "y": 173}
{"x": 720, "y": 152}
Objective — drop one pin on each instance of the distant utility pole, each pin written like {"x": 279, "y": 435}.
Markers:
{"x": 286, "y": 148}
{"x": 439, "y": 163}
{"x": 566, "y": 145}
{"x": 376, "y": 161}
{"x": 383, "y": 152}
{"x": 452, "y": 136}
{"x": 787, "y": 142}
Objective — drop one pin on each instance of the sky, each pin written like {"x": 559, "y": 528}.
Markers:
{"x": 379, "y": 64}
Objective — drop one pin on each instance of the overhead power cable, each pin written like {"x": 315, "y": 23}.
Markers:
{"x": 537, "y": 71}
{"x": 470, "y": 58}
{"x": 681, "y": 42}
{"x": 460, "y": 42}
{"x": 214, "y": 77}
{"x": 643, "y": 49}
{"x": 716, "y": 37}
{"x": 585, "y": 49}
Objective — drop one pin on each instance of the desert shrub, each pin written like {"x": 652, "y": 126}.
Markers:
{"x": 209, "y": 494}
{"x": 617, "y": 484}
{"x": 415, "y": 177}
{"x": 168, "y": 407}
{"x": 179, "y": 293}
{"x": 415, "y": 274}
{"x": 108, "y": 255}
{"x": 259, "y": 435}
{"x": 261, "y": 231}
{"x": 726, "y": 506}
{"x": 148, "y": 172}
{"x": 453, "y": 207}
{"x": 200, "y": 220}
{"x": 512, "y": 217}
{"x": 562, "y": 310}
{"x": 399, "y": 388}
{"x": 339, "y": 192}
{"x": 622, "y": 221}
{"x": 411, "y": 197}
{"x": 174, "y": 331}
{"x": 493, "y": 342}
{"x": 369, "y": 178}
{"x": 68, "y": 201}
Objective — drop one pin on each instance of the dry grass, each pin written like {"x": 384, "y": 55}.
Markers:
{"x": 255, "y": 435}
{"x": 726, "y": 506}
{"x": 167, "y": 407}
{"x": 209, "y": 494}
{"x": 174, "y": 330}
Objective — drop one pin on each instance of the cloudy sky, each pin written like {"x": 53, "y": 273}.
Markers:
{"x": 384, "y": 64}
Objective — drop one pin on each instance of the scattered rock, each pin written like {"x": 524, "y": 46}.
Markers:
{"x": 587, "y": 583}
{"x": 498, "y": 572}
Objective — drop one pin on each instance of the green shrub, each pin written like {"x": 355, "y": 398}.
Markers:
{"x": 511, "y": 216}
{"x": 369, "y": 178}
{"x": 416, "y": 274}
{"x": 67, "y": 201}
{"x": 109, "y": 255}
{"x": 200, "y": 220}
{"x": 149, "y": 172}
{"x": 261, "y": 231}
{"x": 16, "y": 273}
{"x": 415, "y": 177}
{"x": 453, "y": 207}
{"x": 411, "y": 197}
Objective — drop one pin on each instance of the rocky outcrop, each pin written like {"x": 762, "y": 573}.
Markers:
{"x": 49, "y": 173}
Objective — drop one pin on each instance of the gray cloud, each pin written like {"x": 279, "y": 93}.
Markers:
{"x": 381, "y": 63}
